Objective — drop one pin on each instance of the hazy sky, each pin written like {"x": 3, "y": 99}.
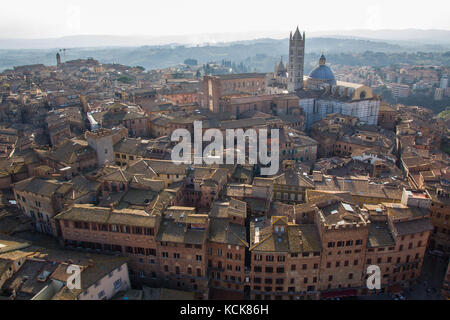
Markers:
{"x": 56, "y": 18}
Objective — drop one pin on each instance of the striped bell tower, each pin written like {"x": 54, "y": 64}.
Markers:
{"x": 296, "y": 60}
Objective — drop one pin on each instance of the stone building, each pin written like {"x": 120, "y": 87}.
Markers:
{"x": 41, "y": 200}
{"x": 320, "y": 94}
{"x": 227, "y": 246}
{"x": 103, "y": 142}
{"x": 285, "y": 259}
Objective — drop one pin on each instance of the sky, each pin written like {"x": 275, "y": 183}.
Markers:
{"x": 56, "y": 18}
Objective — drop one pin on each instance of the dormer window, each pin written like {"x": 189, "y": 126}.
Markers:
{"x": 279, "y": 229}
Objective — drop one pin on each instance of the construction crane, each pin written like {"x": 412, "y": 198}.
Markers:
{"x": 63, "y": 50}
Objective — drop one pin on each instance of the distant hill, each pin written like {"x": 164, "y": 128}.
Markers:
{"x": 412, "y": 36}
{"x": 260, "y": 54}
{"x": 403, "y": 37}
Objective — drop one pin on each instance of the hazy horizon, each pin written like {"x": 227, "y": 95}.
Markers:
{"x": 24, "y": 19}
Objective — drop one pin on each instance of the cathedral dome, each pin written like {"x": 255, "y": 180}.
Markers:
{"x": 322, "y": 72}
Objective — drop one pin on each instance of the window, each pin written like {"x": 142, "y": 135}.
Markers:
{"x": 128, "y": 249}
{"x": 101, "y": 294}
{"x": 140, "y": 251}
{"x": 117, "y": 284}
{"x": 198, "y": 258}
{"x": 149, "y": 231}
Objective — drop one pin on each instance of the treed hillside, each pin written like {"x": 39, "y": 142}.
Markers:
{"x": 445, "y": 114}
{"x": 258, "y": 55}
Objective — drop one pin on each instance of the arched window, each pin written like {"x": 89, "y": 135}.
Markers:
{"x": 362, "y": 95}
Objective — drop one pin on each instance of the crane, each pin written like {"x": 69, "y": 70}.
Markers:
{"x": 63, "y": 50}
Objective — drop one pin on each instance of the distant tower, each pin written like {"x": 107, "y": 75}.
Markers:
{"x": 58, "y": 59}
{"x": 296, "y": 60}
{"x": 212, "y": 89}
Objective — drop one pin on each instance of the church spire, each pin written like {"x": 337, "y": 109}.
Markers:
{"x": 297, "y": 35}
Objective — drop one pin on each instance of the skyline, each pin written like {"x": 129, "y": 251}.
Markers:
{"x": 52, "y": 19}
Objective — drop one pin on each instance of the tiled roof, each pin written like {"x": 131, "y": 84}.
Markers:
{"x": 90, "y": 213}
{"x": 380, "y": 235}
{"x": 171, "y": 231}
{"x": 414, "y": 226}
{"x": 222, "y": 231}
{"x": 42, "y": 187}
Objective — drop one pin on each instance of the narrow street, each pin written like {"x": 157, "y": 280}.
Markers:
{"x": 430, "y": 281}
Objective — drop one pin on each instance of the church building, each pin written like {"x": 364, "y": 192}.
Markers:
{"x": 320, "y": 94}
